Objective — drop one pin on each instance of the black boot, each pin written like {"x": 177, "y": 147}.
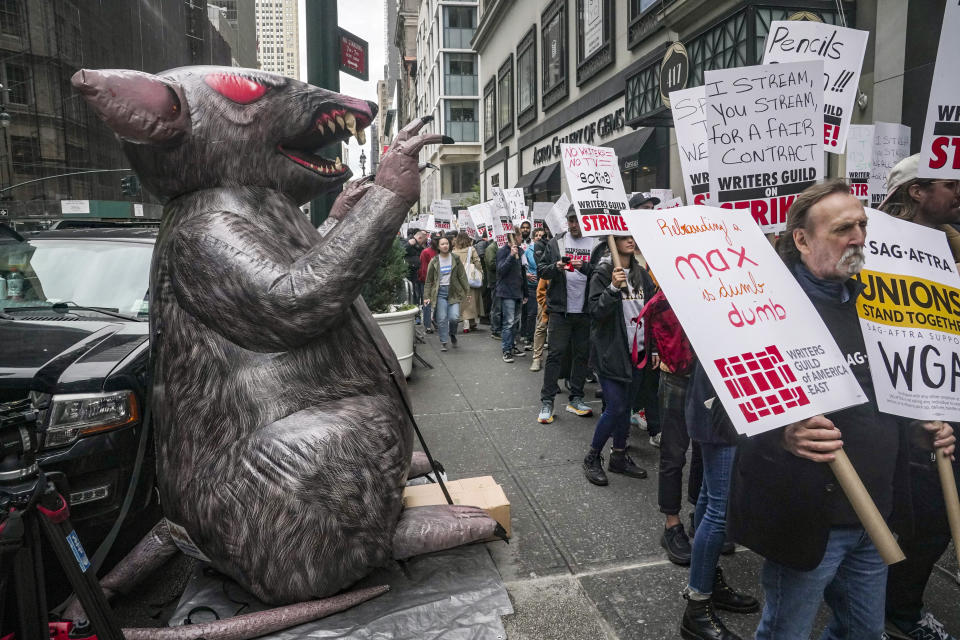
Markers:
{"x": 725, "y": 598}
{"x": 620, "y": 462}
{"x": 593, "y": 468}
{"x": 700, "y": 622}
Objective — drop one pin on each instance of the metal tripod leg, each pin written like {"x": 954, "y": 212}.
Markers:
{"x": 63, "y": 539}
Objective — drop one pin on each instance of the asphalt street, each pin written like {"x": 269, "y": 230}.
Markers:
{"x": 584, "y": 561}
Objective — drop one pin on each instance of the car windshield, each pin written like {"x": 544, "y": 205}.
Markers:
{"x": 90, "y": 273}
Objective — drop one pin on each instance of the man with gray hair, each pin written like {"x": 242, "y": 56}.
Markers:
{"x": 785, "y": 504}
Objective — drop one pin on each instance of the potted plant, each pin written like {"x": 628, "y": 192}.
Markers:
{"x": 386, "y": 295}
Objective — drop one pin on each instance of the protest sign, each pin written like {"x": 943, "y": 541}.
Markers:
{"x": 540, "y": 211}
{"x": 670, "y": 204}
{"x": 859, "y": 160}
{"x": 516, "y": 203}
{"x": 501, "y": 218}
{"x": 556, "y": 220}
{"x": 940, "y": 151}
{"x": 442, "y": 215}
{"x": 770, "y": 357}
{"x": 596, "y": 188}
{"x": 841, "y": 50}
{"x": 910, "y": 316}
{"x": 690, "y": 121}
{"x": 891, "y": 144}
{"x": 764, "y": 132}
{"x": 662, "y": 194}
{"x": 403, "y": 230}
{"x": 467, "y": 225}
{"x": 480, "y": 215}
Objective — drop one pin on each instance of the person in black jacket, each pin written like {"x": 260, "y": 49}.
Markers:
{"x": 784, "y": 502}
{"x": 621, "y": 351}
{"x": 415, "y": 245}
{"x": 512, "y": 293}
{"x": 566, "y": 264}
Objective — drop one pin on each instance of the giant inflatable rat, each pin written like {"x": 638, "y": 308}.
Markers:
{"x": 282, "y": 441}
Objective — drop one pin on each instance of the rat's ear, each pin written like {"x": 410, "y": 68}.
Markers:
{"x": 139, "y": 107}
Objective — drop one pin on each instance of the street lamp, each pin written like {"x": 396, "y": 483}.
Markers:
{"x": 363, "y": 163}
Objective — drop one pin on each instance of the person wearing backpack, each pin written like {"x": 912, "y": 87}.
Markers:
{"x": 676, "y": 362}
{"x": 622, "y": 352}
{"x": 471, "y": 309}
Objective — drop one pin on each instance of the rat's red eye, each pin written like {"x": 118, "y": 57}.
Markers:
{"x": 235, "y": 88}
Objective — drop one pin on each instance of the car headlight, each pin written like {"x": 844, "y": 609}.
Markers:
{"x": 75, "y": 415}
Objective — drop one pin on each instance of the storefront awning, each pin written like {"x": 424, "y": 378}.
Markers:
{"x": 527, "y": 179}
{"x": 628, "y": 147}
{"x": 548, "y": 180}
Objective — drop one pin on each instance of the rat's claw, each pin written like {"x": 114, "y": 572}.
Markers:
{"x": 413, "y": 128}
{"x": 427, "y": 165}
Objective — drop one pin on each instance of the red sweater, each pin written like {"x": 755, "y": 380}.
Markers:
{"x": 425, "y": 257}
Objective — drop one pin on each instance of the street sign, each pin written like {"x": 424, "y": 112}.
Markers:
{"x": 74, "y": 206}
{"x": 674, "y": 71}
{"x": 3, "y": 213}
{"x": 354, "y": 55}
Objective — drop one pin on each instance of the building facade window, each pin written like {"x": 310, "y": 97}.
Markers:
{"x": 16, "y": 82}
{"x": 11, "y": 18}
{"x": 460, "y": 178}
{"x": 594, "y": 29}
{"x": 460, "y": 74}
{"x": 722, "y": 47}
{"x": 527, "y": 78}
{"x": 459, "y": 25}
{"x": 642, "y": 19}
{"x": 461, "y": 120}
{"x": 554, "y": 48}
{"x": 25, "y": 155}
{"x": 505, "y": 93}
{"x": 490, "y": 114}
{"x": 642, "y": 93}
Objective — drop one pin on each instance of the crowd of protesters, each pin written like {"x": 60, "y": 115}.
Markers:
{"x": 589, "y": 315}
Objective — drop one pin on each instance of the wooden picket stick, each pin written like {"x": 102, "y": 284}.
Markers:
{"x": 866, "y": 509}
{"x": 949, "y": 484}
{"x": 614, "y": 255}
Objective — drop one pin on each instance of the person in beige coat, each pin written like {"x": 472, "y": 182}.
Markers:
{"x": 471, "y": 309}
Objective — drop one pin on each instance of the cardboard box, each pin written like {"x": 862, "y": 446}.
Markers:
{"x": 482, "y": 492}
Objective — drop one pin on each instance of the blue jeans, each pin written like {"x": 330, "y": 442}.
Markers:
{"x": 510, "y": 309}
{"x": 427, "y": 322}
{"x": 710, "y": 517}
{"x": 448, "y": 315}
{"x": 851, "y": 579}
{"x": 615, "y": 420}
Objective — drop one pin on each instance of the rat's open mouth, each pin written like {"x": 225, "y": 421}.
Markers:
{"x": 332, "y": 125}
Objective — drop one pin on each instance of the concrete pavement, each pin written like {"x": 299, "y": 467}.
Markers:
{"x": 584, "y": 561}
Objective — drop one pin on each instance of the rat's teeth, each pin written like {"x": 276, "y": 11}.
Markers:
{"x": 332, "y": 126}
{"x": 341, "y": 122}
{"x": 361, "y": 137}
{"x": 319, "y": 125}
{"x": 337, "y": 164}
{"x": 351, "y": 123}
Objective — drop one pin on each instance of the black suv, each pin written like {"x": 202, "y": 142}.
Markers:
{"x": 74, "y": 339}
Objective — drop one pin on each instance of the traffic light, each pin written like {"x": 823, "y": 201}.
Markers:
{"x": 130, "y": 186}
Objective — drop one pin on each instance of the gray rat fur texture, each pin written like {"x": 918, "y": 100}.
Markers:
{"x": 282, "y": 443}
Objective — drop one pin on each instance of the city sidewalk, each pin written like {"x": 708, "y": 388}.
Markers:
{"x": 584, "y": 561}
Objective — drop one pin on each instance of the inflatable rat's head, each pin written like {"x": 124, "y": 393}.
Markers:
{"x": 202, "y": 127}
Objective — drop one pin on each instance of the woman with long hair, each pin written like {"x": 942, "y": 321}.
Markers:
{"x": 622, "y": 353}
{"x": 472, "y": 305}
{"x": 446, "y": 287}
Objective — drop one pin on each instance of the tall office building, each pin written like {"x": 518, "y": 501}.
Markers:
{"x": 278, "y": 47}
